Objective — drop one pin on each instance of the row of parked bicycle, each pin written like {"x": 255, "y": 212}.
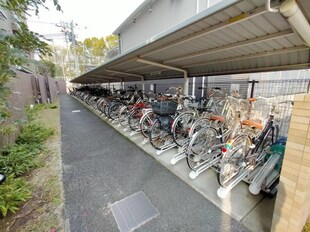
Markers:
{"x": 238, "y": 138}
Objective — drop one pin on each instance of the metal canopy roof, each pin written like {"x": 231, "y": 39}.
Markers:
{"x": 234, "y": 36}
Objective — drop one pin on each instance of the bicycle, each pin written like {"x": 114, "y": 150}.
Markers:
{"x": 182, "y": 128}
{"x": 165, "y": 110}
{"x": 204, "y": 149}
{"x": 245, "y": 150}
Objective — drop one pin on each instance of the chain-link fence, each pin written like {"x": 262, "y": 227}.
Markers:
{"x": 280, "y": 89}
{"x": 276, "y": 86}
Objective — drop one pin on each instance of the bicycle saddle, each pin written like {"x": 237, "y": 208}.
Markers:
{"x": 217, "y": 118}
{"x": 253, "y": 123}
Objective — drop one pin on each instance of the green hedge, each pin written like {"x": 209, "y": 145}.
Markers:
{"x": 18, "y": 159}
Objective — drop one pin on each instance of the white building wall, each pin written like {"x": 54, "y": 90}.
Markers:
{"x": 6, "y": 21}
{"x": 162, "y": 15}
{"x": 158, "y": 17}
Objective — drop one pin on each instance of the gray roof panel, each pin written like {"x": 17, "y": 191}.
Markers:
{"x": 235, "y": 36}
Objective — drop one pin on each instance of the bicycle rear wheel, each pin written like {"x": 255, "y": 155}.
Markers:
{"x": 123, "y": 115}
{"x": 158, "y": 136}
{"x": 199, "y": 124}
{"x": 233, "y": 160}
{"x": 134, "y": 119}
{"x": 146, "y": 123}
{"x": 181, "y": 127}
{"x": 106, "y": 109}
{"x": 114, "y": 110}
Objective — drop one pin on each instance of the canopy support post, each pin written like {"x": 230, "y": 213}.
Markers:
{"x": 142, "y": 82}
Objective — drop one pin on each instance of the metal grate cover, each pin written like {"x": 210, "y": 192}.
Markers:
{"x": 134, "y": 211}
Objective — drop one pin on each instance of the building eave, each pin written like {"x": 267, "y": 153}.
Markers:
{"x": 137, "y": 12}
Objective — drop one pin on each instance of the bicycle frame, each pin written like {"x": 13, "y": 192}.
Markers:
{"x": 261, "y": 139}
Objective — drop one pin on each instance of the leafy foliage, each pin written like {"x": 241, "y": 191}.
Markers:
{"x": 19, "y": 159}
{"x": 32, "y": 112}
{"x": 34, "y": 133}
{"x": 95, "y": 46}
{"x": 306, "y": 227}
{"x": 47, "y": 68}
{"x": 21, "y": 7}
{"x": 28, "y": 41}
{"x": 111, "y": 41}
{"x": 12, "y": 193}
{"x": 15, "y": 48}
{"x": 7, "y": 129}
{"x": 90, "y": 52}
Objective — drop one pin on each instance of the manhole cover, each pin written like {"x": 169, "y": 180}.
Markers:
{"x": 133, "y": 211}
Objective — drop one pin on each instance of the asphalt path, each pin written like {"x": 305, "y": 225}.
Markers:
{"x": 100, "y": 167}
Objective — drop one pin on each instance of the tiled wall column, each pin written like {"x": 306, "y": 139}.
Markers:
{"x": 293, "y": 199}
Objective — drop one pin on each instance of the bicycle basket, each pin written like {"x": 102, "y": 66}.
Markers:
{"x": 164, "y": 107}
{"x": 261, "y": 109}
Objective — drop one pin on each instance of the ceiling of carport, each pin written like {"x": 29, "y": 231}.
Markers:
{"x": 235, "y": 36}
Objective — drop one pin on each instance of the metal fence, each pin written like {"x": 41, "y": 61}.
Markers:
{"x": 281, "y": 92}
{"x": 276, "y": 86}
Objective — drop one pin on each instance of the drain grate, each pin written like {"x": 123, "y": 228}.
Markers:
{"x": 132, "y": 212}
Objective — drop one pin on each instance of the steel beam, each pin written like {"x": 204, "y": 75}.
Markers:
{"x": 185, "y": 85}
{"x": 232, "y": 46}
{"x": 108, "y": 77}
{"x": 244, "y": 57}
{"x": 264, "y": 69}
{"x": 123, "y": 73}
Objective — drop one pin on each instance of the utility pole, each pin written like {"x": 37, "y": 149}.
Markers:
{"x": 77, "y": 68}
{"x": 63, "y": 67}
{"x": 68, "y": 29}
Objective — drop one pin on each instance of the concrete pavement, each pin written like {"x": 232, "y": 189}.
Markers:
{"x": 101, "y": 167}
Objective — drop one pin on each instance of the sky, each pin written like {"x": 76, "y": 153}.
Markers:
{"x": 93, "y": 17}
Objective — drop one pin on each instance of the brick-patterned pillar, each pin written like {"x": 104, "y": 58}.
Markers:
{"x": 293, "y": 199}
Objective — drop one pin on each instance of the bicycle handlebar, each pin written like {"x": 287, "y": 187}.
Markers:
{"x": 288, "y": 101}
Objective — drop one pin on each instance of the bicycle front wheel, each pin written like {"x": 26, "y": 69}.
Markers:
{"x": 198, "y": 151}
{"x": 233, "y": 160}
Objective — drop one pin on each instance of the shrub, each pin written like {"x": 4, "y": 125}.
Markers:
{"x": 52, "y": 106}
{"x": 12, "y": 193}
{"x": 306, "y": 227}
{"x": 34, "y": 133}
{"x": 33, "y": 112}
{"x": 19, "y": 158}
